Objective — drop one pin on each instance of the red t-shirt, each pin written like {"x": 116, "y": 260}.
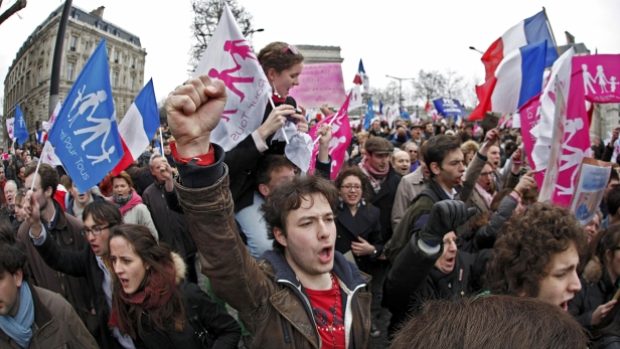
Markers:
{"x": 327, "y": 310}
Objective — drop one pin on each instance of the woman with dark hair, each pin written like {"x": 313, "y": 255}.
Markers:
{"x": 359, "y": 231}
{"x": 130, "y": 203}
{"x": 282, "y": 64}
{"x": 592, "y": 305}
{"x": 153, "y": 304}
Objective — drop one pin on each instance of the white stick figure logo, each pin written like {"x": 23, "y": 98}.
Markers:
{"x": 100, "y": 127}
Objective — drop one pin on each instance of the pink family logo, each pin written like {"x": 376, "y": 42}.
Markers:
{"x": 239, "y": 51}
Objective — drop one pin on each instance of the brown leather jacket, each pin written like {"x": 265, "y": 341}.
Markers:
{"x": 267, "y": 294}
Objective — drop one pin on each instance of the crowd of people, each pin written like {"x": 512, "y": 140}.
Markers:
{"x": 431, "y": 223}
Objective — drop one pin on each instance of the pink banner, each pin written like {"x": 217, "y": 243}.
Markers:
{"x": 530, "y": 115}
{"x": 341, "y": 138}
{"x": 593, "y": 78}
{"x": 319, "y": 84}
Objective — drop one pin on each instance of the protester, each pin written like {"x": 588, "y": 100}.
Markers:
{"x": 594, "y": 302}
{"x": 152, "y": 303}
{"x": 33, "y": 317}
{"x": 491, "y": 322}
{"x": 537, "y": 256}
{"x": 303, "y": 272}
{"x": 282, "y": 64}
{"x": 98, "y": 217}
{"x": 272, "y": 172}
{"x": 430, "y": 265}
{"x": 359, "y": 232}
{"x": 401, "y": 162}
{"x": 413, "y": 150}
{"x": 76, "y": 201}
{"x": 44, "y": 213}
{"x": 130, "y": 203}
{"x": 8, "y": 208}
{"x": 469, "y": 148}
{"x": 170, "y": 225}
{"x": 444, "y": 159}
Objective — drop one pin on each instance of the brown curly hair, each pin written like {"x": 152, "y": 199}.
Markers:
{"x": 523, "y": 251}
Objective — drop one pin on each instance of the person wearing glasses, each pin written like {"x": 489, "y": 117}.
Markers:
{"x": 90, "y": 263}
{"x": 282, "y": 64}
{"x": 359, "y": 231}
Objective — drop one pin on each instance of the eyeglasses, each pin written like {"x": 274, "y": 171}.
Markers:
{"x": 351, "y": 187}
{"x": 290, "y": 49}
{"x": 96, "y": 230}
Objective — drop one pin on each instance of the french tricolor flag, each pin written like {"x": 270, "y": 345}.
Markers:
{"x": 517, "y": 79}
{"x": 529, "y": 31}
{"x": 138, "y": 126}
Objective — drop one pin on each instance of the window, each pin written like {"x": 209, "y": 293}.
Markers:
{"x": 73, "y": 43}
{"x": 115, "y": 79}
{"x": 132, "y": 81}
{"x": 116, "y": 55}
{"x": 70, "y": 70}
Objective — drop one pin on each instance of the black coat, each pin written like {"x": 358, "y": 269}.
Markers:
{"x": 589, "y": 298}
{"x": 364, "y": 224}
{"x": 384, "y": 200}
{"x": 413, "y": 280}
{"x": 83, "y": 264}
{"x": 202, "y": 312}
{"x": 169, "y": 223}
{"x": 243, "y": 160}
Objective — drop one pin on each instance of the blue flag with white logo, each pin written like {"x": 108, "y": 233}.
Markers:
{"x": 370, "y": 114}
{"x": 20, "y": 131}
{"x": 85, "y": 134}
{"x": 449, "y": 107}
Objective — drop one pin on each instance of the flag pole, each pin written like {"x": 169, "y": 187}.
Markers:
{"x": 555, "y": 42}
{"x": 36, "y": 171}
{"x": 161, "y": 141}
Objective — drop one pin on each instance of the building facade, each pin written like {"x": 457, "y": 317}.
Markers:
{"x": 28, "y": 80}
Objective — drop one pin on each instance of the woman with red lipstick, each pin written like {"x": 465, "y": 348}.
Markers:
{"x": 282, "y": 64}
{"x": 153, "y": 304}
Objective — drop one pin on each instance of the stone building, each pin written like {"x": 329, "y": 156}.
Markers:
{"x": 28, "y": 78}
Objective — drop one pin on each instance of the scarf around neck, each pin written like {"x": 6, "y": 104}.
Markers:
{"x": 375, "y": 176}
{"x": 19, "y": 328}
{"x": 156, "y": 292}
{"x": 128, "y": 202}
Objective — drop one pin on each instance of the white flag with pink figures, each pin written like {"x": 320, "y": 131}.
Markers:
{"x": 229, "y": 58}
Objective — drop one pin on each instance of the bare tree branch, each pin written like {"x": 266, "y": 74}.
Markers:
{"x": 17, "y": 6}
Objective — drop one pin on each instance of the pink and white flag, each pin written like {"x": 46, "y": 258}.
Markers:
{"x": 48, "y": 155}
{"x": 10, "y": 127}
{"x": 594, "y": 79}
{"x": 341, "y": 138}
{"x": 229, "y": 58}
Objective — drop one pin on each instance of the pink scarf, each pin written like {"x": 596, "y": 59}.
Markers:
{"x": 485, "y": 195}
{"x": 375, "y": 176}
{"x": 134, "y": 201}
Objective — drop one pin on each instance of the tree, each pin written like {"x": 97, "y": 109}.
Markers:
{"x": 17, "y": 6}
{"x": 433, "y": 84}
{"x": 207, "y": 15}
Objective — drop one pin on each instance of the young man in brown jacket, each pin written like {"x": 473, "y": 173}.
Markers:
{"x": 303, "y": 294}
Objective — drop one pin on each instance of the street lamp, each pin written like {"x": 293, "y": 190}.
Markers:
{"x": 475, "y": 49}
{"x": 400, "y": 89}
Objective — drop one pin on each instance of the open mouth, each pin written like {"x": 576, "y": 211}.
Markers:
{"x": 564, "y": 305}
{"x": 326, "y": 254}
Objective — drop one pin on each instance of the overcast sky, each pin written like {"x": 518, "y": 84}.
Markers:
{"x": 392, "y": 37}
